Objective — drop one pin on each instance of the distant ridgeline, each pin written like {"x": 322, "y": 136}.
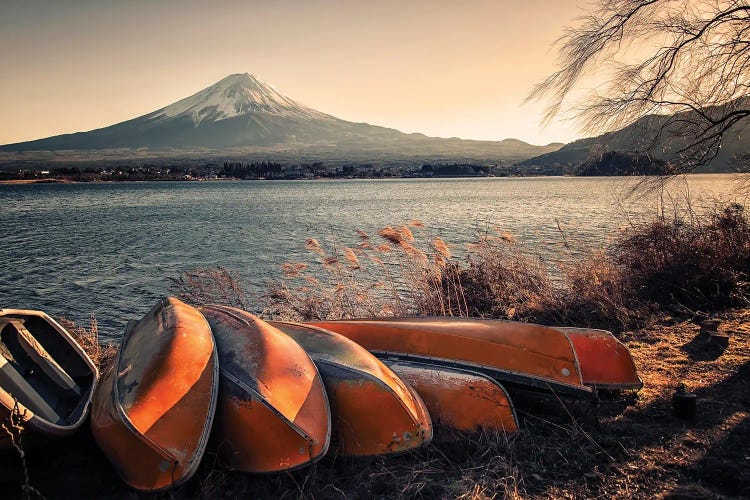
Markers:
{"x": 622, "y": 163}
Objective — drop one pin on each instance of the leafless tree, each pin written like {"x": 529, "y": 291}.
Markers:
{"x": 683, "y": 64}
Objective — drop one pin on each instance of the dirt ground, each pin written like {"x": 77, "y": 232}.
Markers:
{"x": 616, "y": 448}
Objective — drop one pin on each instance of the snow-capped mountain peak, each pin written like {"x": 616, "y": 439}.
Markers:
{"x": 235, "y": 95}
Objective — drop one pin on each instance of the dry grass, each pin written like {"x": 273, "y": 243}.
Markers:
{"x": 398, "y": 273}
{"x": 407, "y": 272}
{"x": 209, "y": 285}
{"x": 88, "y": 338}
{"x": 682, "y": 264}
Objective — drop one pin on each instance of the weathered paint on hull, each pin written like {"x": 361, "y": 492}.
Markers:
{"x": 273, "y": 409}
{"x": 153, "y": 410}
{"x": 605, "y": 362}
{"x": 528, "y": 355}
{"x": 374, "y": 412}
{"x": 459, "y": 400}
{"x": 70, "y": 377}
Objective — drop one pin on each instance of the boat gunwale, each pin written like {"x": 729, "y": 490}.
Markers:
{"x": 192, "y": 465}
{"x": 484, "y": 376}
{"x": 29, "y": 416}
{"x": 327, "y": 441}
{"x": 388, "y": 388}
{"x": 253, "y": 393}
{"x": 508, "y": 376}
{"x": 562, "y": 329}
{"x": 449, "y": 319}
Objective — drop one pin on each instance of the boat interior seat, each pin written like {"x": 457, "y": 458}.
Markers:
{"x": 17, "y": 386}
{"x": 43, "y": 359}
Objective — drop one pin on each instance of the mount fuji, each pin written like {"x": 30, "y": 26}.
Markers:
{"x": 243, "y": 112}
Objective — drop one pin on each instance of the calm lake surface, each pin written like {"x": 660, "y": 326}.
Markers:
{"x": 72, "y": 249}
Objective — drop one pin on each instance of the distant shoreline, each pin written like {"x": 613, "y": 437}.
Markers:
{"x": 12, "y": 182}
{"x": 21, "y": 182}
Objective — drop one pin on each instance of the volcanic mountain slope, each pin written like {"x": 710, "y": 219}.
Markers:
{"x": 244, "y": 111}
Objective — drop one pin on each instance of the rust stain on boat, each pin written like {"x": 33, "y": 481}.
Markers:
{"x": 517, "y": 352}
{"x": 154, "y": 407}
{"x": 373, "y": 411}
{"x": 273, "y": 409}
{"x": 605, "y": 362}
{"x": 459, "y": 400}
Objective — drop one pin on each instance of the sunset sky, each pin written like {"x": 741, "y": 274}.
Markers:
{"x": 443, "y": 68}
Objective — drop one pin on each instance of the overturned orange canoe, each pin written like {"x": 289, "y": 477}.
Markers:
{"x": 273, "y": 412}
{"x": 605, "y": 362}
{"x": 153, "y": 409}
{"x": 46, "y": 378}
{"x": 524, "y": 355}
{"x": 459, "y": 400}
{"x": 374, "y": 412}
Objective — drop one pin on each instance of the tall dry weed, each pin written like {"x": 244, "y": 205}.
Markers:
{"x": 88, "y": 338}
{"x": 399, "y": 273}
{"x": 500, "y": 280}
{"x": 209, "y": 285}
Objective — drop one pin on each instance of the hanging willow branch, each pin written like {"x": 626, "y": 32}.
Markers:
{"x": 689, "y": 80}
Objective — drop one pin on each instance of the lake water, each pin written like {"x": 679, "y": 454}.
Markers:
{"x": 72, "y": 249}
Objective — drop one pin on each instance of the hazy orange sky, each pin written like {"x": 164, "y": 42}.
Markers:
{"x": 443, "y": 68}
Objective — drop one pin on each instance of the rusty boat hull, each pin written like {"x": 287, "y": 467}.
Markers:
{"x": 374, "y": 412}
{"x": 153, "y": 410}
{"x": 459, "y": 400}
{"x": 520, "y": 356}
{"x": 273, "y": 413}
{"x": 47, "y": 380}
{"x": 606, "y": 364}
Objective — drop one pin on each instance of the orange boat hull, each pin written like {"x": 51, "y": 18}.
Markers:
{"x": 530, "y": 356}
{"x": 153, "y": 409}
{"x": 374, "y": 412}
{"x": 273, "y": 412}
{"x": 605, "y": 362}
{"x": 459, "y": 400}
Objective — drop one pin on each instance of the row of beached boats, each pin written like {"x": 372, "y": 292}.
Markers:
{"x": 272, "y": 396}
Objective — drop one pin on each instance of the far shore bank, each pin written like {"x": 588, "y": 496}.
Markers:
{"x": 55, "y": 180}
{"x": 13, "y": 182}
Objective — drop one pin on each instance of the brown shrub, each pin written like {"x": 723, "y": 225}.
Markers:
{"x": 501, "y": 281}
{"x": 594, "y": 293}
{"x": 689, "y": 262}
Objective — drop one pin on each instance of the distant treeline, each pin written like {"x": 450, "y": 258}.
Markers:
{"x": 456, "y": 170}
{"x": 616, "y": 163}
{"x": 251, "y": 170}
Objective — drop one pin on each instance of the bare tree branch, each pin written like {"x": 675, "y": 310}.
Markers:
{"x": 691, "y": 73}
